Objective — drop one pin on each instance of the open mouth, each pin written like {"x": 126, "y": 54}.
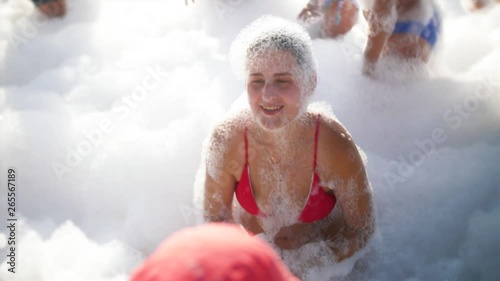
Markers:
{"x": 271, "y": 110}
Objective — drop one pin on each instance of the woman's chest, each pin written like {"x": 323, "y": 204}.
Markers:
{"x": 282, "y": 185}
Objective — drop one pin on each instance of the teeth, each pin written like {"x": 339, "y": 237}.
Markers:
{"x": 271, "y": 107}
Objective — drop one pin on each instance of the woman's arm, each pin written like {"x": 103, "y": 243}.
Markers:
{"x": 354, "y": 195}
{"x": 219, "y": 181}
{"x": 218, "y": 198}
{"x": 381, "y": 20}
{"x": 355, "y": 199}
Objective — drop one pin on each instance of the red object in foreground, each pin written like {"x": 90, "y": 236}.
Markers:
{"x": 213, "y": 252}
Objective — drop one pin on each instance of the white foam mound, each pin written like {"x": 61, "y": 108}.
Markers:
{"x": 68, "y": 254}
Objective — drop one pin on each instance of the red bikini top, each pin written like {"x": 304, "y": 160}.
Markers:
{"x": 318, "y": 205}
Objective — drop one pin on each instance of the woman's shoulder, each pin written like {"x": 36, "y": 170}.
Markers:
{"x": 335, "y": 145}
{"x": 231, "y": 129}
{"x": 332, "y": 129}
{"x": 336, "y": 142}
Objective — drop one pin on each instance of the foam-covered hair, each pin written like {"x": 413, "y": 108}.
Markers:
{"x": 274, "y": 33}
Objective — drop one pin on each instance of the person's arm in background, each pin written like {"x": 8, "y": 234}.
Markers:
{"x": 311, "y": 12}
{"x": 381, "y": 19}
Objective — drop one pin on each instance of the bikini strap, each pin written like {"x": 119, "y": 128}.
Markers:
{"x": 246, "y": 146}
{"x": 316, "y": 134}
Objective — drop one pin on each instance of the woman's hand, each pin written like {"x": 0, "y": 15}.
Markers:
{"x": 311, "y": 255}
{"x": 368, "y": 67}
{"x": 285, "y": 243}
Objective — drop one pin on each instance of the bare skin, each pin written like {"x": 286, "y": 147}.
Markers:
{"x": 338, "y": 161}
{"x": 380, "y": 41}
{"x": 52, "y": 9}
{"x": 477, "y": 5}
{"x": 281, "y": 172}
{"x": 347, "y": 21}
{"x": 331, "y": 27}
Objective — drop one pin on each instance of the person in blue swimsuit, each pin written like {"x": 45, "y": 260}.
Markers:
{"x": 51, "y": 8}
{"x": 295, "y": 172}
{"x": 409, "y": 28}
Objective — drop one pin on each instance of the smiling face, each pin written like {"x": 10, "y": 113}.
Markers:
{"x": 273, "y": 89}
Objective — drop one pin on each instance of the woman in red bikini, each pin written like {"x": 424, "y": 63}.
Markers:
{"x": 297, "y": 176}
